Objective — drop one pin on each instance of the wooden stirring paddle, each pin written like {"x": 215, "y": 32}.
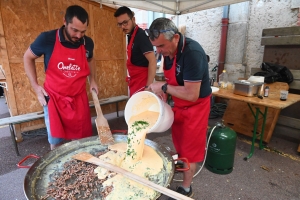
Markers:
{"x": 103, "y": 129}
{"x": 86, "y": 157}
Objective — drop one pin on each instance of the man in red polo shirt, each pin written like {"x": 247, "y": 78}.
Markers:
{"x": 141, "y": 62}
{"x": 67, "y": 58}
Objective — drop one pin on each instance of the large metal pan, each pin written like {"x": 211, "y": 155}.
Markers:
{"x": 40, "y": 173}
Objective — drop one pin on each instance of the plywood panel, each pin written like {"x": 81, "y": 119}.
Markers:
{"x": 109, "y": 38}
{"x": 20, "y": 27}
{"x": 26, "y": 100}
{"x": 57, "y": 12}
{"x": 25, "y": 96}
{"x": 111, "y": 78}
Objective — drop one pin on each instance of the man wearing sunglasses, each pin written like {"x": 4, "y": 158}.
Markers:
{"x": 141, "y": 62}
{"x": 187, "y": 81}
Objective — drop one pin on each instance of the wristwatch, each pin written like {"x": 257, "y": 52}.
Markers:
{"x": 164, "y": 87}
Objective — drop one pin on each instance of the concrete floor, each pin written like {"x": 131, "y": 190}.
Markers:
{"x": 267, "y": 175}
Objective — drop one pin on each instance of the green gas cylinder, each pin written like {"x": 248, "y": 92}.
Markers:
{"x": 221, "y": 149}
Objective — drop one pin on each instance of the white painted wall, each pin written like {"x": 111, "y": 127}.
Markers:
{"x": 266, "y": 14}
{"x": 205, "y": 28}
{"x": 246, "y": 22}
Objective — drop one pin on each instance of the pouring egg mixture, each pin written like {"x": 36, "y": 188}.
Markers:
{"x": 135, "y": 157}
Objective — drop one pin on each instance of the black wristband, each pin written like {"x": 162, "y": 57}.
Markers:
{"x": 164, "y": 87}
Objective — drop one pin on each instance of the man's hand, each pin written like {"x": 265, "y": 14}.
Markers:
{"x": 30, "y": 69}
{"x": 93, "y": 85}
{"x": 147, "y": 89}
{"x": 41, "y": 93}
{"x": 156, "y": 89}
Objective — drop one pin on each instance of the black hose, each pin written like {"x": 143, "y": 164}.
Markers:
{"x": 35, "y": 133}
{"x": 217, "y": 110}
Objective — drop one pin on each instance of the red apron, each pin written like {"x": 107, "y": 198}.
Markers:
{"x": 65, "y": 82}
{"x": 190, "y": 123}
{"x": 137, "y": 76}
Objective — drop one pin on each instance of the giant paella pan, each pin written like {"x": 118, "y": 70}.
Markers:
{"x": 43, "y": 172}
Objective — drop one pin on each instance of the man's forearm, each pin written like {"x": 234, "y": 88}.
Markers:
{"x": 30, "y": 69}
{"x": 91, "y": 77}
{"x": 151, "y": 72}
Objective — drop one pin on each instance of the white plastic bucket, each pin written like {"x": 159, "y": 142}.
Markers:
{"x": 137, "y": 104}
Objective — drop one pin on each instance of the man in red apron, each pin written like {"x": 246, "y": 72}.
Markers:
{"x": 67, "y": 58}
{"x": 141, "y": 62}
{"x": 187, "y": 81}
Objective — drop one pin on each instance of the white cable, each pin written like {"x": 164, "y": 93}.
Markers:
{"x": 204, "y": 156}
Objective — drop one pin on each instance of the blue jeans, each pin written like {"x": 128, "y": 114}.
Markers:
{"x": 52, "y": 140}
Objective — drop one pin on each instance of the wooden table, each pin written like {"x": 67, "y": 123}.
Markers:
{"x": 261, "y": 108}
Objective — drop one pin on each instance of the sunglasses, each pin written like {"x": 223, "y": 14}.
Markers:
{"x": 153, "y": 33}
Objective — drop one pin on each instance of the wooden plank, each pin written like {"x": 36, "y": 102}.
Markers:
{"x": 296, "y": 73}
{"x": 287, "y": 55}
{"x": 113, "y": 99}
{"x": 40, "y": 114}
{"x": 295, "y": 85}
{"x": 91, "y": 21}
{"x": 86, "y": 157}
{"x": 10, "y": 96}
{"x": 49, "y": 16}
{"x": 289, "y": 121}
{"x": 98, "y": 5}
{"x": 21, "y": 118}
{"x": 284, "y": 31}
{"x": 291, "y": 40}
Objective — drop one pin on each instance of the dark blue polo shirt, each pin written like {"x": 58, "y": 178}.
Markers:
{"x": 44, "y": 44}
{"x": 141, "y": 45}
{"x": 192, "y": 65}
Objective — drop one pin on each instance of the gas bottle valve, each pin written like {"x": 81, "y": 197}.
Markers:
{"x": 220, "y": 124}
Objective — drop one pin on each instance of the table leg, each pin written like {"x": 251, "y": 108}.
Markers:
{"x": 261, "y": 146}
{"x": 117, "y": 106}
{"x": 13, "y": 137}
{"x": 254, "y": 134}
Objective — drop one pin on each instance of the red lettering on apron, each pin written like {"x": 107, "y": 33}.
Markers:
{"x": 65, "y": 82}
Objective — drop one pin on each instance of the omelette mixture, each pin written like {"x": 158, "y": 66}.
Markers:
{"x": 135, "y": 157}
